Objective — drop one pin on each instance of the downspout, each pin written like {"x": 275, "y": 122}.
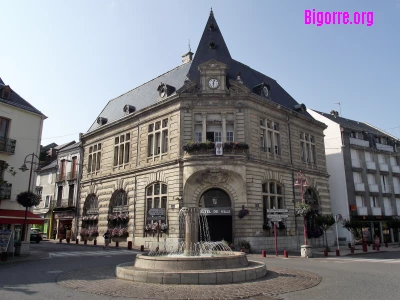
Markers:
{"x": 134, "y": 196}
{"x": 294, "y": 194}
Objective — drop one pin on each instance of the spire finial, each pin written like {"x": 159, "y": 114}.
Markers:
{"x": 211, "y": 12}
{"x": 190, "y": 50}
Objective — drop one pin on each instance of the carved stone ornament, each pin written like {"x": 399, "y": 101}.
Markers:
{"x": 215, "y": 177}
{"x": 237, "y": 87}
{"x": 192, "y": 89}
{"x": 119, "y": 184}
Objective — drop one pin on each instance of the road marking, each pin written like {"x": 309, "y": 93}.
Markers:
{"x": 55, "y": 272}
{"x": 91, "y": 253}
{"x": 343, "y": 260}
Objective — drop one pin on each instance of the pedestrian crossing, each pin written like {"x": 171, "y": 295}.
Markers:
{"x": 367, "y": 260}
{"x": 91, "y": 253}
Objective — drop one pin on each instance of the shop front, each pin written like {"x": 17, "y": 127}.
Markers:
{"x": 64, "y": 225}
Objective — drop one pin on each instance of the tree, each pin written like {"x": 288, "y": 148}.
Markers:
{"x": 5, "y": 167}
{"x": 325, "y": 222}
{"x": 355, "y": 227}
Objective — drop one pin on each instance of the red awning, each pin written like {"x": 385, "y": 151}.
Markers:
{"x": 8, "y": 216}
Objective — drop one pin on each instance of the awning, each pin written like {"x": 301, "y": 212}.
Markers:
{"x": 8, "y": 216}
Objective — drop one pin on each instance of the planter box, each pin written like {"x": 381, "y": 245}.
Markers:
{"x": 119, "y": 239}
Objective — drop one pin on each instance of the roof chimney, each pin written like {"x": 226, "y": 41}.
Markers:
{"x": 334, "y": 113}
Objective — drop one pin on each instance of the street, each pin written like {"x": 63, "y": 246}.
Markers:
{"x": 54, "y": 274}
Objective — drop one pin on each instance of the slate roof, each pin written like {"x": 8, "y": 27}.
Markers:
{"x": 146, "y": 94}
{"x": 51, "y": 165}
{"x": 61, "y": 147}
{"x": 70, "y": 147}
{"x": 17, "y": 101}
{"x": 355, "y": 125}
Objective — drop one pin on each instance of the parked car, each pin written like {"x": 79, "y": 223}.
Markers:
{"x": 36, "y": 236}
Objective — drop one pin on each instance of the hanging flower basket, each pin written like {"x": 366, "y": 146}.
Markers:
{"x": 302, "y": 209}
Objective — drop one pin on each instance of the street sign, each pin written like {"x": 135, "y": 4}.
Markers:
{"x": 157, "y": 211}
{"x": 277, "y": 210}
{"x": 156, "y": 218}
{"x": 277, "y": 216}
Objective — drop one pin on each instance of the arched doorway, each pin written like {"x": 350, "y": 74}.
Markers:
{"x": 216, "y": 204}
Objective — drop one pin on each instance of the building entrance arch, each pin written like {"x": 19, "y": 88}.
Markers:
{"x": 216, "y": 204}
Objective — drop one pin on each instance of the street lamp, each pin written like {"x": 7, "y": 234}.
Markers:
{"x": 24, "y": 168}
{"x": 302, "y": 183}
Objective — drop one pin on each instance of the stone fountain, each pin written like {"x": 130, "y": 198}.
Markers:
{"x": 193, "y": 260}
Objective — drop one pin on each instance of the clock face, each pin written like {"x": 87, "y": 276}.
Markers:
{"x": 213, "y": 83}
{"x": 266, "y": 92}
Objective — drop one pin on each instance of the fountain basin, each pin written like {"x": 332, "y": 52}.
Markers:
{"x": 252, "y": 271}
{"x": 174, "y": 263}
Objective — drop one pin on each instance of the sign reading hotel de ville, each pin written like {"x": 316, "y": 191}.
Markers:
{"x": 217, "y": 211}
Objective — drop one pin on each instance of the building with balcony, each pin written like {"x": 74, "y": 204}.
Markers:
{"x": 211, "y": 133}
{"x": 363, "y": 164}
{"x": 20, "y": 134}
{"x": 67, "y": 190}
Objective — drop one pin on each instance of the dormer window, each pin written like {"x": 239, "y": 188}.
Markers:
{"x": 6, "y": 93}
{"x": 262, "y": 89}
{"x": 101, "y": 121}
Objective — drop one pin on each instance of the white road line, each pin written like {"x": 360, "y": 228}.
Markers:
{"x": 343, "y": 260}
{"x": 91, "y": 253}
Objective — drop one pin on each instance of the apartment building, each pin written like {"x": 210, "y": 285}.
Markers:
{"x": 363, "y": 164}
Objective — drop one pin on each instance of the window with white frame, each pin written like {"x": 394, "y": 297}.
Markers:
{"x": 374, "y": 201}
{"x": 355, "y": 158}
{"x": 381, "y": 159}
{"x": 272, "y": 194}
{"x": 307, "y": 148}
{"x": 156, "y": 197}
{"x": 387, "y": 205}
{"x": 94, "y": 158}
{"x": 384, "y": 183}
{"x": 122, "y": 149}
{"x": 214, "y": 123}
{"x": 157, "y": 138}
{"x": 369, "y": 157}
{"x": 393, "y": 161}
{"x": 47, "y": 201}
{"x": 360, "y": 201}
{"x": 371, "y": 178}
{"x": 270, "y": 136}
{"x": 398, "y": 206}
{"x": 357, "y": 177}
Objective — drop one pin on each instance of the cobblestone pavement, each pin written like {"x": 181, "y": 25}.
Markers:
{"x": 102, "y": 281}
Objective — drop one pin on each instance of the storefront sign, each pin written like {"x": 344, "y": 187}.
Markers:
{"x": 66, "y": 215}
{"x": 217, "y": 211}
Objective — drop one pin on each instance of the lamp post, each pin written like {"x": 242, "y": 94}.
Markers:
{"x": 24, "y": 168}
{"x": 302, "y": 183}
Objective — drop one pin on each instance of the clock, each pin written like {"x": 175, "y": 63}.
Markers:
{"x": 213, "y": 83}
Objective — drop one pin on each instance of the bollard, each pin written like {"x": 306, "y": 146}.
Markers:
{"x": 68, "y": 241}
{"x": 60, "y": 240}
{"x": 285, "y": 254}
{"x": 95, "y": 242}
{"x": 3, "y": 256}
{"x": 77, "y": 241}
{"x": 325, "y": 252}
{"x": 85, "y": 242}
{"x": 349, "y": 244}
{"x": 142, "y": 248}
{"x": 116, "y": 244}
{"x": 130, "y": 245}
{"x": 386, "y": 244}
{"x": 365, "y": 248}
{"x": 263, "y": 253}
{"x": 352, "y": 250}
{"x": 338, "y": 252}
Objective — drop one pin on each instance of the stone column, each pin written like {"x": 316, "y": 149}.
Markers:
{"x": 223, "y": 127}
{"x": 204, "y": 127}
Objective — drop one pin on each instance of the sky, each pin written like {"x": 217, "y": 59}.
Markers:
{"x": 69, "y": 58}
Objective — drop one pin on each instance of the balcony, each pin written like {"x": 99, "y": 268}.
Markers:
{"x": 356, "y": 163}
{"x": 384, "y": 147}
{"x": 60, "y": 178}
{"x": 359, "y": 187}
{"x": 370, "y": 165}
{"x": 362, "y": 211}
{"x": 65, "y": 203}
{"x": 384, "y": 167}
{"x": 209, "y": 148}
{"x": 373, "y": 188}
{"x": 5, "y": 191}
{"x": 71, "y": 176}
{"x": 7, "y": 145}
{"x": 358, "y": 142}
{"x": 395, "y": 169}
{"x": 376, "y": 211}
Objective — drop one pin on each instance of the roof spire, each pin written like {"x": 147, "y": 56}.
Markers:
{"x": 211, "y": 12}
{"x": 190, "y": 50}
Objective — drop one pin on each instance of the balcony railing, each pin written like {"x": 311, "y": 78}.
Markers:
{"x": 71, "y": 176}
{"x": 60, "y": 178}
{"x": 65, "y": 203}
{"x": 362, "y": 211}
{"x": 210, "y": 148}
{"x": 5, "y": 191}
{"x": 359, "y": 187}
{"x": 7, "y": 145}
{"x": 384, "y": 147}
{"x": 358, "y": 142}
{"x": 376, "y": 211}
{"x": 374, "y": 188}
{"x": 384, "y": 167}
{"x": 371, "y": 165}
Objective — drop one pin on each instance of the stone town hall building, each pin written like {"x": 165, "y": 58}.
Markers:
{"x": 245, "y": 139}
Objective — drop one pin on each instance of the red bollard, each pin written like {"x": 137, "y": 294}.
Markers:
{"x": 263, "y": 253}
{"x": 386, "y": 244}
{"x": 130, "y": 245}
{"x": 95, "y": 242}
{"x": 365, "y": 248}
{"x": 60, "y": 240}
{"x": 325, "y": 252}
{"x": 352, "y": 250}
{"x": 85, "y": 242}
{"x": 77, "y": 241}
{"x": 116, "y": 244}
{"x": 285, "y": 254}
{"x": 337, "y": 252}
{"x": 142, "y": 248}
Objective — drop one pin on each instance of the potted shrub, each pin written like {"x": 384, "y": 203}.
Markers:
{"x": 244, "y": 246}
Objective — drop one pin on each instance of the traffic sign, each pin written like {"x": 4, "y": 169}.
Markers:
{"x": 156, "y": 218}
{"x": 157, "y": 211}
{"x": 277, "y": 216}
{"x": 277, "y": 210}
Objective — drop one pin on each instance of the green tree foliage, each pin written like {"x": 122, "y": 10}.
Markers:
{"x": 325, "y": 222}
{"x": 355, "y": 227}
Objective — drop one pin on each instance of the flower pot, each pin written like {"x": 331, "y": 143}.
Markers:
{"x": 119, "y": 239}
